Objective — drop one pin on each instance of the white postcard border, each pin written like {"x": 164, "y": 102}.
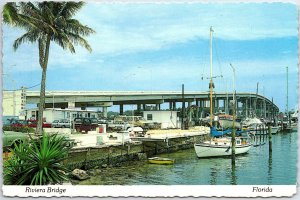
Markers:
{"x": 151, "y": 191}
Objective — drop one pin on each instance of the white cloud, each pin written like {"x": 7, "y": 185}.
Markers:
{"x": 131, "y": 28}
{"x": 123, "y": 28}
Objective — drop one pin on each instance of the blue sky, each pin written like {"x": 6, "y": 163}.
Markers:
{"x": 144, "y": 46}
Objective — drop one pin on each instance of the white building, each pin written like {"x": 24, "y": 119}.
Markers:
{"x": 14, "y": 103}
{"x": 167, "y": 118}
{"x": 51, "y": 114}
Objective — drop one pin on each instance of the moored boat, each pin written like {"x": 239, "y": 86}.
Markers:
{"x": 217, "y": 147}
{"x": 275, "y": 129}
{"x": 220, "y": 145}
{"x": 161, "y": 161}
{"x": 226, "y": 120}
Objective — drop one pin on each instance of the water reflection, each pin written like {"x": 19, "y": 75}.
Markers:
{"x": 213, "y": 176}
{"x": 270, "y": 168}
{"x": 233, "y": 175}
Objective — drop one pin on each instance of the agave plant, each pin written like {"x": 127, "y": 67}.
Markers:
{"x": 38, "y": 162}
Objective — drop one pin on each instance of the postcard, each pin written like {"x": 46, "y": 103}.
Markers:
{"x": 150, "y": 99}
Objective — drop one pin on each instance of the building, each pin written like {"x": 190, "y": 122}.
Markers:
{"x": 167, "y": 118}
{"x": 51, "y": 114}
{"x": 14, "y": 103}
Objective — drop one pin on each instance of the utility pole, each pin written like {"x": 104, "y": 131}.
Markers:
{"x": 211, "y": 84}
{"x": 256, "y": 99}
{"x": 183, "y": 110}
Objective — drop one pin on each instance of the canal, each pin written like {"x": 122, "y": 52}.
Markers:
{"x": 256, "y": 167}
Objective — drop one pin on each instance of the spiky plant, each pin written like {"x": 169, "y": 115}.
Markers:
{"x": 38, "y": 162}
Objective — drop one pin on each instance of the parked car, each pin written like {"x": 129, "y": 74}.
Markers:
{"x": 136, "y": 120}
{"x": 102, "y": 121}
{"x": 33, "y": 124}
{"x": 62, "y": 123}
{"x": 118, "y": 125}
{"x": 85, "y": 124}
{"x": 19, "y": 123}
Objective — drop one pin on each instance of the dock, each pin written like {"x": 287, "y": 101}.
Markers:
{"x": 137, "y": 148}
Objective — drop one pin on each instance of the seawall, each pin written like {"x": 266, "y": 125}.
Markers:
{"x": 139, "y": 149}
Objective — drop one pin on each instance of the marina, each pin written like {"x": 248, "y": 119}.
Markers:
{"x": 257, "y": 167}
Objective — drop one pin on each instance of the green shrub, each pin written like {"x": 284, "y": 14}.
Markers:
{"x": 38, "y": 162}
{"x": 24, "y": 129}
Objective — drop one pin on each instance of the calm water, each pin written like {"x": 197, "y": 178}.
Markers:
{"x": 254, "y": 168}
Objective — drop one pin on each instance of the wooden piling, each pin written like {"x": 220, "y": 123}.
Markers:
{"x": 260, "y": 133}
{"x": 270, "y": 139}
{"x": 233, "y": 136}
{"x": 233, "y": 147}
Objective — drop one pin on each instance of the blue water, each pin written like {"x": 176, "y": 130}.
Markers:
{"x": 256, "y": 167}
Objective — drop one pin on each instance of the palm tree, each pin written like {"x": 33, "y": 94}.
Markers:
{"x": 47, "y": 22}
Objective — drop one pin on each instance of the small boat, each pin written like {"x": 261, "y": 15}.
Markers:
{"x": 294, "y": 126}
{"x": 225, "y": 121}
{"x": 161, "y": 161}
{"x": 254, "y": 124}
{"x": 218, "y": 147}
{"x": 275, "y": 129}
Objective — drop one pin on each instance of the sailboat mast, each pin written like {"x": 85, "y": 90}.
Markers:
{"x": 287, "y": 92}
{"x": 211, "y": 79}
{"x": 211, "y": 58}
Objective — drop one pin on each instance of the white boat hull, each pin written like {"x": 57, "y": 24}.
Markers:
{"x": 275, "y": 129}
{"x": 209, "y": 150}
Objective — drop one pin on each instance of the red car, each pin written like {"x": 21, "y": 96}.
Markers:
{"x": 33, "y": 124}
{"x": 19, "y": 123}
{"x": 85, "y": 124}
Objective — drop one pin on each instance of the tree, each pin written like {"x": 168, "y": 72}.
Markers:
{"x": 47, "y": 22}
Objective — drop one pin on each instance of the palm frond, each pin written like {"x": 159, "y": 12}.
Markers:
{"x": 32, "y": 37}
{"x": 69, "y": 9}
{"x": 10, "y": 13}
{"x": 63, "y": 41}
{"x": 76, "y": 27}
{"x": 78, "y": 40}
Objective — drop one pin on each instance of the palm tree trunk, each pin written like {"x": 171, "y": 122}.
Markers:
{"x": 39, "y": 129}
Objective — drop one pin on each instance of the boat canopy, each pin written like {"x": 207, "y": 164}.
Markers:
{"x": 215, "y": 133}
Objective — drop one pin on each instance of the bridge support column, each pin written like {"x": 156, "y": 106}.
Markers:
{"x": 225, "y": 105}
{"x": 174, "y": 105}
{"x": 246, "y": 108}
{"x": 144, "y": 107}
{"x": 170, "y": 105}
{"x": 138, "y": 107}
{"x": 197, "y": 111}
{"x": 157, "y": 106}
{"x": 201, "y": 107}
{"x": 189, "y": 111}
{"x": 121, "y": 109}
{"x": 216, "y": 105}
{"x": 104, "y": 110}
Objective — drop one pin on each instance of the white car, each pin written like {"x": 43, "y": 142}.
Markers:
{"x": 62, "y": 123}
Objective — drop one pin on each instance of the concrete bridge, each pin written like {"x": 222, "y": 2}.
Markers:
{"x": 247, "y": 103}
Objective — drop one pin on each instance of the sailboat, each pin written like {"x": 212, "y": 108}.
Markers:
{"x": 286, "y": 121}
{"x": 219, "y": 144}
